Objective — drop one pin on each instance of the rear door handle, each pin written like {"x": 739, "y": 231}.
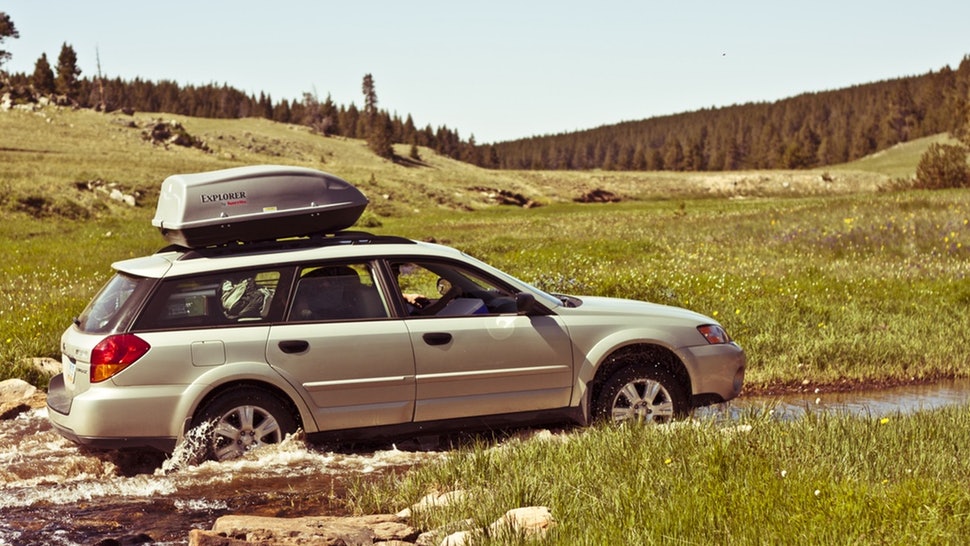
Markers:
{"x": 437, "y": 338}
{"x": 292, "y": 346}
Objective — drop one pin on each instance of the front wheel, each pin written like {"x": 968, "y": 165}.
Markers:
{"x": 244, "y": 419}
{"x": 640, "y": 394}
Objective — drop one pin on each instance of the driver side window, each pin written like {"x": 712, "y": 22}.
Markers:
{"x": 439, "y": 289}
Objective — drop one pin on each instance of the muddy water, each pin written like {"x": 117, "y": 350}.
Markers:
{"x": 52, "y": 492}
{"x": 906, "y": 399}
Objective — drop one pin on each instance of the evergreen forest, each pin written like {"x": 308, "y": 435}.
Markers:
{"x": 805, "y": 131}
{"x": 809, "y": 130}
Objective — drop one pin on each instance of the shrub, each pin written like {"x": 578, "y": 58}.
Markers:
{"x": 943, "y": 166}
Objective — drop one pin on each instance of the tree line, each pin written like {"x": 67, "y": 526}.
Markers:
{"x": 809, "y": 130}
{"x": 64, "y": 82}
{"x": 226, "y": 102}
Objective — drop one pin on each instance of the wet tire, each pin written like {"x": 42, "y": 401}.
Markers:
{"x": 244, "y": 419}
{"x": 641, "y": 394}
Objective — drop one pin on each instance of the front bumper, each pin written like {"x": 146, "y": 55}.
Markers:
{"x": 716, "y": 371}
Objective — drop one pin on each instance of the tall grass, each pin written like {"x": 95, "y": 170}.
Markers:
{"x": 822, "y": 291}
{"x": 823, "y": 279}
{"x": 823, "y": 479}
{"x": 857, "y": 288}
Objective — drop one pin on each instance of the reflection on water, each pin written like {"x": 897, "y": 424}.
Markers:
{"x": 898, "y": 400}
{"x": 52, "y": 492}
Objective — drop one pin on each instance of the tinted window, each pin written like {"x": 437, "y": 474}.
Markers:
{"x": 336, "y": 292}
{"x": 212, "y": 300}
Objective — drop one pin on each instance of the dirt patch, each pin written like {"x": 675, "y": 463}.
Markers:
{"x": 505, "y": 197}
{"x": 166, "y": 133}
{"x": 598, "y": 196}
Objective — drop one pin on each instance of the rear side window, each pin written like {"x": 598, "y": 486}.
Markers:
{"x": 336, "y": 292}
{"x": 114, "y": 304}
{"x": 213, "y": 300}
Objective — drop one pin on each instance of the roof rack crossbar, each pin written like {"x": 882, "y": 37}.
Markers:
{"x": 309, "y": 241}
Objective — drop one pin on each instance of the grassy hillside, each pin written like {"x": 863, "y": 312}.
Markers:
{"x": 44, "y": 154}
{"x": 899, "y": 161}
{"x": 824, "y": 277}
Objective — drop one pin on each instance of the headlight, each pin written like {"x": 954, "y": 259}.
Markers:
{"x": 714, "y": 334}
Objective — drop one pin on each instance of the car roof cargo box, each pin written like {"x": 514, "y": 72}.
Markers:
{"x": 254, "y": 203}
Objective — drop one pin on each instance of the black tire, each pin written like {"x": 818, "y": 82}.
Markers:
{"x": 243, "y": 419}
{"x": 641, "y": 394}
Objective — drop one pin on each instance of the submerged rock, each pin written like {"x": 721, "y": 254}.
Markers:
{"x": 324, "y": 530}
{"x": 18, "y": 396}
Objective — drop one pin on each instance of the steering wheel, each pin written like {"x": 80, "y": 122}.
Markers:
{"x": 433, "y": 309}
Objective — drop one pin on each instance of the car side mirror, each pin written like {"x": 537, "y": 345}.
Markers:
{"x": 524, "y": 302}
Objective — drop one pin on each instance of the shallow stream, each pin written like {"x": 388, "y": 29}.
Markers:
{"x": 52, "y": 492}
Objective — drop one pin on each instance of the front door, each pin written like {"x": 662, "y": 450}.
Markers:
{"x": 474, "y": 355}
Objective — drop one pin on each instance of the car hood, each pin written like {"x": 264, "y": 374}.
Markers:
{"x": 602, "y": 306}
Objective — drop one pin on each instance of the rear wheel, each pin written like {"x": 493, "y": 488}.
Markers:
{"x": 641, "y": 394}
{"x": 244, "y": 419}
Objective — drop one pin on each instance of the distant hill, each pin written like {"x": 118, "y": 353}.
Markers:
{"x": 811, "y": 130}
{"x": 807, "y": 131}
{"x": 66, "y": 162}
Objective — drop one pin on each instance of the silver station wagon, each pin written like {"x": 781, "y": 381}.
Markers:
{"x": 350, "y": 335}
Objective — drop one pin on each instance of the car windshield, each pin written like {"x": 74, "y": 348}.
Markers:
{"x": 107, "y": 309}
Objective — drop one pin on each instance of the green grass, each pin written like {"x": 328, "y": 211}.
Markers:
{"x": 822, "y": 290}
{"x": 899, "y": 161}
{"x": 822, "y": 479}
{"x": 824, "y": 279}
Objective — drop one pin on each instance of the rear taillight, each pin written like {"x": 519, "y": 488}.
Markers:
{"x": 114, "y": 354}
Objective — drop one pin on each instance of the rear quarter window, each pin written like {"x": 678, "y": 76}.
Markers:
{"x": 115, "y": 305}
{"x": 213, "y": 300}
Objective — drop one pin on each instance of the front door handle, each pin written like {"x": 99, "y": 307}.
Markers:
{"x": 437, "y": 338}
{"x": 292, "y": 346}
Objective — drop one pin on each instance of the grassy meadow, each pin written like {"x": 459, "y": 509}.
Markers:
{"x": 827, "y": 279}
{"x": 822, "y": 479}
{"x": 830, "y": 279}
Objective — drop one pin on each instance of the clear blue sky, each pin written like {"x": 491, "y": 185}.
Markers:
{"x": 503, "y": 69}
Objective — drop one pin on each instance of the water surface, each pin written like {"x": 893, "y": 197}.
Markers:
{"x": 53, "y": 492}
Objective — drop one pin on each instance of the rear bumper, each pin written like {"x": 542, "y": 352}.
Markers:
{"x": 70, "y": 418}
{"x": 166, "y": 445}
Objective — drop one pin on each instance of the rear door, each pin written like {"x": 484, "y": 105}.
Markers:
{"x": 340, "y": 348}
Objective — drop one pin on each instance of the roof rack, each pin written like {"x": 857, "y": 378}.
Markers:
{"x": 276, "y": 245}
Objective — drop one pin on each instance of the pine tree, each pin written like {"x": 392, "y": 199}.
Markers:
{"x": 265, "y": 105}
{"x": 282, "y": 112}
{"x": 380, "y": 138}
{"x": 7, "y": 30}
{"x": 67, "y": 72}
{"x": 331, "y": 120}
{"x": 378, "y": 128}
{"x": 959, "y": 104}
{"x": 370, "y": 96}
{"x": 43, "y": 78}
